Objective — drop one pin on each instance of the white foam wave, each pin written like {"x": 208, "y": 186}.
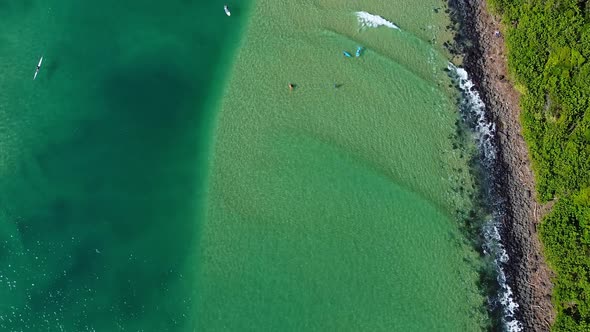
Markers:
{"x": 474, "y": 109}
{"x": 367, "y": 20}
{"x": 495, "y": 248}
{"x": 484, "y": 130}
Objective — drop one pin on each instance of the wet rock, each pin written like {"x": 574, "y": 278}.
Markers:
{"x": 527, "y": 273}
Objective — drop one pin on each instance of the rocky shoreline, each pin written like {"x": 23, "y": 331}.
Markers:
{"x": 480, "y": 40}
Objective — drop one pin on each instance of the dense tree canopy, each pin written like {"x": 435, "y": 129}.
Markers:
{"x": 549, "y": 58}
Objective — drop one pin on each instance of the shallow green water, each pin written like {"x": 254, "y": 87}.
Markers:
{"x": 103, "y": 159}
{"x": 324, "y": 208}
{"x": 334, "y": 208}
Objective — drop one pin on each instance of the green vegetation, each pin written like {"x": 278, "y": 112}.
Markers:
{"x": 549, "y": 58}
{"x": 566, "y": 235}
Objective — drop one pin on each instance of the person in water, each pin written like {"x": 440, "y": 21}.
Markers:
{"x": 291, "y": 86}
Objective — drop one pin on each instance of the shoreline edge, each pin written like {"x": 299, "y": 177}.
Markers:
{"x": 480, "y": 39}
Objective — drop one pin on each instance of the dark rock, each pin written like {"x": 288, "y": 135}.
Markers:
{"x": 513, "y": 188}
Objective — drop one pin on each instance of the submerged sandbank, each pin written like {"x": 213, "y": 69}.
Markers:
{"x": 334, "y": 207}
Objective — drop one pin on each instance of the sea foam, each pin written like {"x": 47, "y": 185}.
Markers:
{"x": 367, "y": 20}
{"x": 473, "y": 112}
{"x": 484, "y": 130}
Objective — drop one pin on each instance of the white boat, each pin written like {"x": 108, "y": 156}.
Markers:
{"x": 38, "y": 67}
{"x": 227, "y": 12}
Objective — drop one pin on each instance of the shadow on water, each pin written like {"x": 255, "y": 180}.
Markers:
{"x": 100, "y": 221}
{"x": 51, "y": 68}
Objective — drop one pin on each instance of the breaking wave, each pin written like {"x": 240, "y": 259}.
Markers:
{"x": 473, "y": 113}
{"x": 367, "y": 20}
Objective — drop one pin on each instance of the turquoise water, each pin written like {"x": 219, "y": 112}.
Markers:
{"x": 160, "y": 176}
{"x": 336, "y": 208}
{"x": 103, "y": 159}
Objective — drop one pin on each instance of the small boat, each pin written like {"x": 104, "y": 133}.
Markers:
{"x": 358, "y": 51}
{"x": 38, "y": 67}
{"x": 226, "y": 10}
{"x": 346, "y": 54}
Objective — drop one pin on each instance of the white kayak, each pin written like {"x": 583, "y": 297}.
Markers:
{"x": 38, "y": 67}
{"x": 227, "y": 12}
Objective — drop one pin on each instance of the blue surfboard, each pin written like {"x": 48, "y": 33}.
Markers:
{"x": 346, "y": 54}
